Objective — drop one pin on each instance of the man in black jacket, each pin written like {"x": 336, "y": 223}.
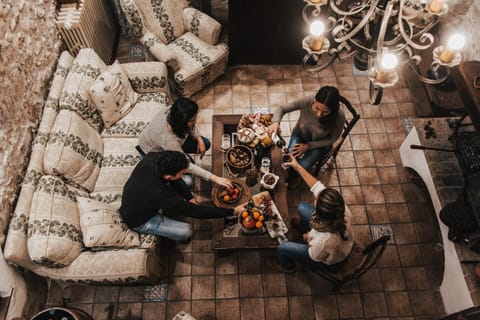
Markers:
{"x": 156, "y": 192}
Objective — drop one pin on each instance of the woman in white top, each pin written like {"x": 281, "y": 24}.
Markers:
{"x": 329, "y": 241}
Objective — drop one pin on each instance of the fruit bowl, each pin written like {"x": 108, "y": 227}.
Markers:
{"x": 239, "y": 158}
{"x": 251, "y": 221}
{"x": 269, "y": 181}
{"x": 219, "y": 192}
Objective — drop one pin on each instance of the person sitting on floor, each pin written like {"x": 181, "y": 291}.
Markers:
{"x": 174, "y": 129}
{"x": 154, "y": 195}
{"x": 329, "y": 241}
{"x": 320, "y": 124}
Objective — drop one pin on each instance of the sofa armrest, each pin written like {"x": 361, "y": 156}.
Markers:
{"x": 147, "y": 76}
{"x": 160, "y": 51}
{"x": 201, "y": 25}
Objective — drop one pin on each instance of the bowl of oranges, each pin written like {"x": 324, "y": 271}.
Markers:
{"x": 251, "y": 219}
{"x": 225, "y": 197}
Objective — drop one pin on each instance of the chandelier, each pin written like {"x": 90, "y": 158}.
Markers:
{"x": 378, "y": 35}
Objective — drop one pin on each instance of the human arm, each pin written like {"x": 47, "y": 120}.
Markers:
{"x": 334, "y": 133}
{"x": 201, "y": 148}
{"x": 281, "y": 110}
{"x": 306, "y": 176}
{"x": 178, "y": 206}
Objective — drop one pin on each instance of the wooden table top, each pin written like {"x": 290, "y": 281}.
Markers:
{"x": 228, "y": 123}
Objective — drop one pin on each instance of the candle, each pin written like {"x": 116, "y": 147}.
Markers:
{"x": 382, "y": 76}
{"x": 316, "y": 43}
{"x": 436, "y": 5}
{"x": 315, "y": 1}
{"x": 446, "y": 55}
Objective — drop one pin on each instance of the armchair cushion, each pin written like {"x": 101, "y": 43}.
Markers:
{"x": 102, "y": 226}
{"x": 74, "y": 150}
{"x": 113, "y": 94}
{"x": 54, "y": 237}
{"x": 201, "y": 25}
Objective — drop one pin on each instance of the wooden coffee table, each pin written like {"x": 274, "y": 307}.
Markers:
{"x": 227, "y": 242}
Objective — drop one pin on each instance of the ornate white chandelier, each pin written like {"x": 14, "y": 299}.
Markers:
{"x": 378, "y": 34}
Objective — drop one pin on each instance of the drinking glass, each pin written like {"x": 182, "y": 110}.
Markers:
{"x": 226, "y": 142}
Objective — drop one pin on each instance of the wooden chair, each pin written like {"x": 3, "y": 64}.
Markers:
{"x": 360, "y": 261}
{"x": 351, "y": 119}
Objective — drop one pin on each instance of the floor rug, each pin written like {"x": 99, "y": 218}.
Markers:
{"x": 379, "y": 230}
{"x": 158, "y": 292}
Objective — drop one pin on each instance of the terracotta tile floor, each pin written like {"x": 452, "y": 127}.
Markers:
{"x": 245, "y": 284}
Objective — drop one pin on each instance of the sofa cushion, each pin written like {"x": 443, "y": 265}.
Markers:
{"x": 54, "y": 233}
{"x": 86, "y": 68}
{"x": 113, "y": 94}
{"x": 102, "y": 226}
{"x": 74, "y": 150}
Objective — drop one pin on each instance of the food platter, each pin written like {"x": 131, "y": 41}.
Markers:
{"x": 219, "y": 192}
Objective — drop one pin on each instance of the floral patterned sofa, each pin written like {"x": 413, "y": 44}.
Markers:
{"x": 182, "y": 37}
{"x": 66, "y": 224}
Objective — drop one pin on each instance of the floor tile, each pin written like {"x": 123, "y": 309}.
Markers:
{"x": 374, "y": 304}
{"x": 274, "y": 284}
{"x": 252, "y": 308}
{"x": 251, "y": 285}
{"x": 203, "y": 287}
{"x": 350, "y": 306}
{"x": 392, "y": 279}
{"x": 203, "y": 309}
{"x": 226, "y": 286}
{"x": 301, "y": 307}
{"x": 276, "y": 308}
{"x": 227, "y": 309}
{"x": 398, "y": 304}
{"x": 180, "y": 288}
{"x": 325, "y": 307}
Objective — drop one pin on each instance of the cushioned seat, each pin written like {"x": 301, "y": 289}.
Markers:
{"x": 183, "y": 38}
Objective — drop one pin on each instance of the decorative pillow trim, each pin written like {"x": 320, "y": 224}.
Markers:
{"x": 193, "y": 52}
{"x": 121, "y": 160}
{"x": 133, "y": 16}
{"x": 50, "y": 263}
{"x": 76, "y": 144}
{"x": 122, "y": 128}
{"x": 158, "y": 97}
{"x": 86, "y": 69}
{"x": 41, "y": 138}
{"x": 52, "y": 185}
{"x": 76, "y": 103}
{"x": 54, "y": 227}
{"x": 52, "y": 103}
{"x": 164, "y": 20}
{"x": 61, "y": 71}
{"x": 107, "y": 198}
{"x": 32, "y": 177}
{"x": 148, "y": 83}
{"x": 19, "y": 223}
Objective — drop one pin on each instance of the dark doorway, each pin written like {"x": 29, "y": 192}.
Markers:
{"x": 266, "y": 31}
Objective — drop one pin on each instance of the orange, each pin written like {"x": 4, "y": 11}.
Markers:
{"x": 261, "y": 218}
{"x": 226, "y": 198}
{"x": 256, "y": 215}
{"x": 244, "y": 214}
{"x": 259, "y": 224}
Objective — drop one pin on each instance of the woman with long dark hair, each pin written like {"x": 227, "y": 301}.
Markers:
{"x": 174, "y": 129}
{"x": 329, "y": 237}
{"x": 320, "y": 124}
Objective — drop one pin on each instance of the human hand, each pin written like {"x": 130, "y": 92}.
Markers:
{"x": 238, "y": 210}
{"x": 194, "y": 201}
{"x": 292, "y": 162}
{"x": 299, "y": 149}
{"x": 222, "y": 181}
{"x": 306, "y": 238}
{"x": 201, "y": 148}
{"x": 273, "y": 128}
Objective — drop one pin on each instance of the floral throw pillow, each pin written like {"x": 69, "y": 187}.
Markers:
{"x": 113, "y": 94}
{"x": 102, "y": 226}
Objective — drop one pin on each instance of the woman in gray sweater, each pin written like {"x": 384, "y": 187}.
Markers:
{"x": 173, "y": 128}
{"x": 320, "y": 124}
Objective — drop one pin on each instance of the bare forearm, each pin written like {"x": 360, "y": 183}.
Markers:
{"x": 306, "y": 176}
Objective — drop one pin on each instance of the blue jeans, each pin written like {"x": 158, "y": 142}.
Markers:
{"x": 163, "y": 226}
{"x": 289, "y": 252}
{"x": 190, "y": 144}
{"x": 311, "y": 156}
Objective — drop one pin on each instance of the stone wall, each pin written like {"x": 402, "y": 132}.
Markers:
{"x": 29, "y": 47}
{"x": 463, "y": 16}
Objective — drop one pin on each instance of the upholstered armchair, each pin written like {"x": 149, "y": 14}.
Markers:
{"x": 184, "y": 38}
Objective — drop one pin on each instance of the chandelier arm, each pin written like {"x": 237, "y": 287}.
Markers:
{"x": 340, "y": 12}
{"x": 317, "y": 67}
{"x": 424, "y": 37}
{"x": 315, "y": 12}
{"x": 383, "y": 26}
{"x": 359, "y": 26}
{"x": 434, "y": 66}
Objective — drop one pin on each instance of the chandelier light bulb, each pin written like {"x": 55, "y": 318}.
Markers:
{"x": 389, "y": 61}
{"x": 317, "y": 28}
{"x": 456, "y": 41}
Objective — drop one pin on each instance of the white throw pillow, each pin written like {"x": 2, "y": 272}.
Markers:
{"x": 102, "y": 226}
{"x": 113, "y": 94}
